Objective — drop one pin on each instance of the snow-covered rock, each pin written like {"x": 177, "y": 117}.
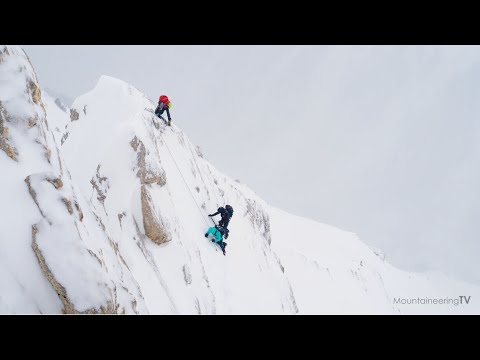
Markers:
{"x": 104, "y": 210}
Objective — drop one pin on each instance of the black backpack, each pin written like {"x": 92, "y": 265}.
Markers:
{"x": 223, "y": 230}
{"x": 229, "y": 210}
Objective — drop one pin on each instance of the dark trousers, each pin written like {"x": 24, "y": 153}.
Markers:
{"x": 159, "y": 112}
{"x": 222, "y": 245}
{"x": 223, "y": 222}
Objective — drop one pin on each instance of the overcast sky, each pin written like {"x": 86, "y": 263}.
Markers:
{"x": 383, "y": 141}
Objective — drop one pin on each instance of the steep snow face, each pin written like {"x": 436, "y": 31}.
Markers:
{"x": 55, "y": 254}
{"x": 104, "y": 209}
{"x": 23, "y": 152}
{"x": 153, "y": 190}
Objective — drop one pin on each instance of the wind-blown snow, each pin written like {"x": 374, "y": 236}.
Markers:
{"x": 120, "y": 164}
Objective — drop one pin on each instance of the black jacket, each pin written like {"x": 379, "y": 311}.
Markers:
{"x": 161, "y": 108}
{"x": 222, "y": 211}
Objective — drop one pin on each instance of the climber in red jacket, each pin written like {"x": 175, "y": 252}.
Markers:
{"x": 164, "y": 104}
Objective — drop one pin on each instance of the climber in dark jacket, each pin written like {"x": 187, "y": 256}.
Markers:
{"x": 226, "y": 213}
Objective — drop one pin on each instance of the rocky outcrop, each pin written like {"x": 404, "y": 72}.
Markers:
{"x": 134, "y": 143}
{"x": 74, "y": 115}
{"x": 36, "y": 113}
{"x": 68, "y": 204}
{"x": 33, "y": 194}
{"x": 148, "y": 171}
{"x": 35, "y": 93}
{"x": 100, "y": 184}
{"x": 68, "y": 307}
{"x": 152, "y": 223}
{"x": 9, "y": 150}
{"x": 75, "y": 253}
{"x": 49, "y": 213}
{"x": 55, "y": 181}
{"x": 4, "y": 145}
{"x": 80, "y": 212}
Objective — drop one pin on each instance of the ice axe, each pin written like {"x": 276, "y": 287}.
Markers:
{"x": 213, "y": 221}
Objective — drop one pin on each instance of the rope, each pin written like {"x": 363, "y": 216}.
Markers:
{"x": 191, "y": 194}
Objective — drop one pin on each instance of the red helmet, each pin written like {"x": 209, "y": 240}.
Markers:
{"x": 164, "y": 99}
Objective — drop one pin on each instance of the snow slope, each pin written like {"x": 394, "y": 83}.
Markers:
{"x": 55, "y": 254}
{"x": 124, "y": 231}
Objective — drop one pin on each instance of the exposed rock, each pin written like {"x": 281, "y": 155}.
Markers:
{"x": 120, "y": 216}
{"x": 96, "y": 257}
{"x": 32, "y": 121}
{"x": 68, "y": 307}
{"x": 3, "y": 120}
{"x": 110, "y": 308}
{"x": 80, "y": 212}
{"x": 64, "y": 137}
{"x": 134, "y": 143}
{"x": 33, "y": 194}
{"x": 199, "y": 151}
{"x": 100, "y": 195}
{"x": 10, "y": 151}
{"x": 74, "y": 115}
{"x": 4, "y": 145}
{"x": 147, "y": 173}
{"x": 153, "y": 226}
{"x": 48, "y": 153}
{"x": 56, "y": 182}
{"x": 100, "y": 184}
{"x": 151, "y": 177}
{"x": 35, "y": 92}
{"x": 68, "y": 204}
